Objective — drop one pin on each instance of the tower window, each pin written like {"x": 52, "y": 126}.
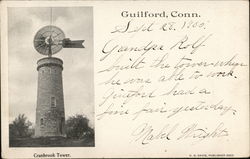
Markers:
{"x": 41, "y": 122}
{"x": 53, "y": 101}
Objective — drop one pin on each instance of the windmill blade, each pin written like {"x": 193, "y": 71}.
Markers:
{"x": 46, "y": 37}
{"x": 67, "y": 43}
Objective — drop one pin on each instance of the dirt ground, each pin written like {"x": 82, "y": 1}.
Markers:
{"x": 51, "y": 142}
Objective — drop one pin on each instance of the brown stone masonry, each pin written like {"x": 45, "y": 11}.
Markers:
{"x": 50, "y": 116}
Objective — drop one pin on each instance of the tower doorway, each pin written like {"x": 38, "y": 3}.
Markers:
{"x": 61, "y": 125}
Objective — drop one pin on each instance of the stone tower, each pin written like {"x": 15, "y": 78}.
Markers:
{"x": 50, "y": 115}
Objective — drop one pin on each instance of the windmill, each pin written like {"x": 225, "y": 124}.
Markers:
{"x": 50, "y": 40}
{"x": 50, "y": 114}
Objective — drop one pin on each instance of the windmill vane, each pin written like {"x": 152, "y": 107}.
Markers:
{"x": 50, "y": 40}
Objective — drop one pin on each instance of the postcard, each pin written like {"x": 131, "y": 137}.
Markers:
{"x": 124, "y": 79}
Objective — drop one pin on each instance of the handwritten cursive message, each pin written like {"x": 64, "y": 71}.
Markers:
{"x": 167, "y": 77}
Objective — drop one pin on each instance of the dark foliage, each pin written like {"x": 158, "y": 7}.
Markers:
{"x": 20, "y": 127}
{"x": 78, "y": 127}
{"x": 79, "y": 134}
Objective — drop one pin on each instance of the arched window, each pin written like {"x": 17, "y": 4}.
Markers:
{"x": 53, "y": 101}
{"x": 41, "y": 122}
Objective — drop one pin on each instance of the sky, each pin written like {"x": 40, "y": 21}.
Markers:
{"x": 77, "y": 24}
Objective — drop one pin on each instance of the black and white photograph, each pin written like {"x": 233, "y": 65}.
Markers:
{"x": 50, "y": 77}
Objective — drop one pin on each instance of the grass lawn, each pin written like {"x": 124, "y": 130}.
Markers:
{"x": 51, "y": 142}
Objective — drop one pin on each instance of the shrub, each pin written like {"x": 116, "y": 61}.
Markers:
{"x": 78, "y": 127}
{"x": 20, "y": 127}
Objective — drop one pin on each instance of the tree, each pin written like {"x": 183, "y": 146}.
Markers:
{"x": 78, "y": 127}
{"x": 20, "y": 127}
